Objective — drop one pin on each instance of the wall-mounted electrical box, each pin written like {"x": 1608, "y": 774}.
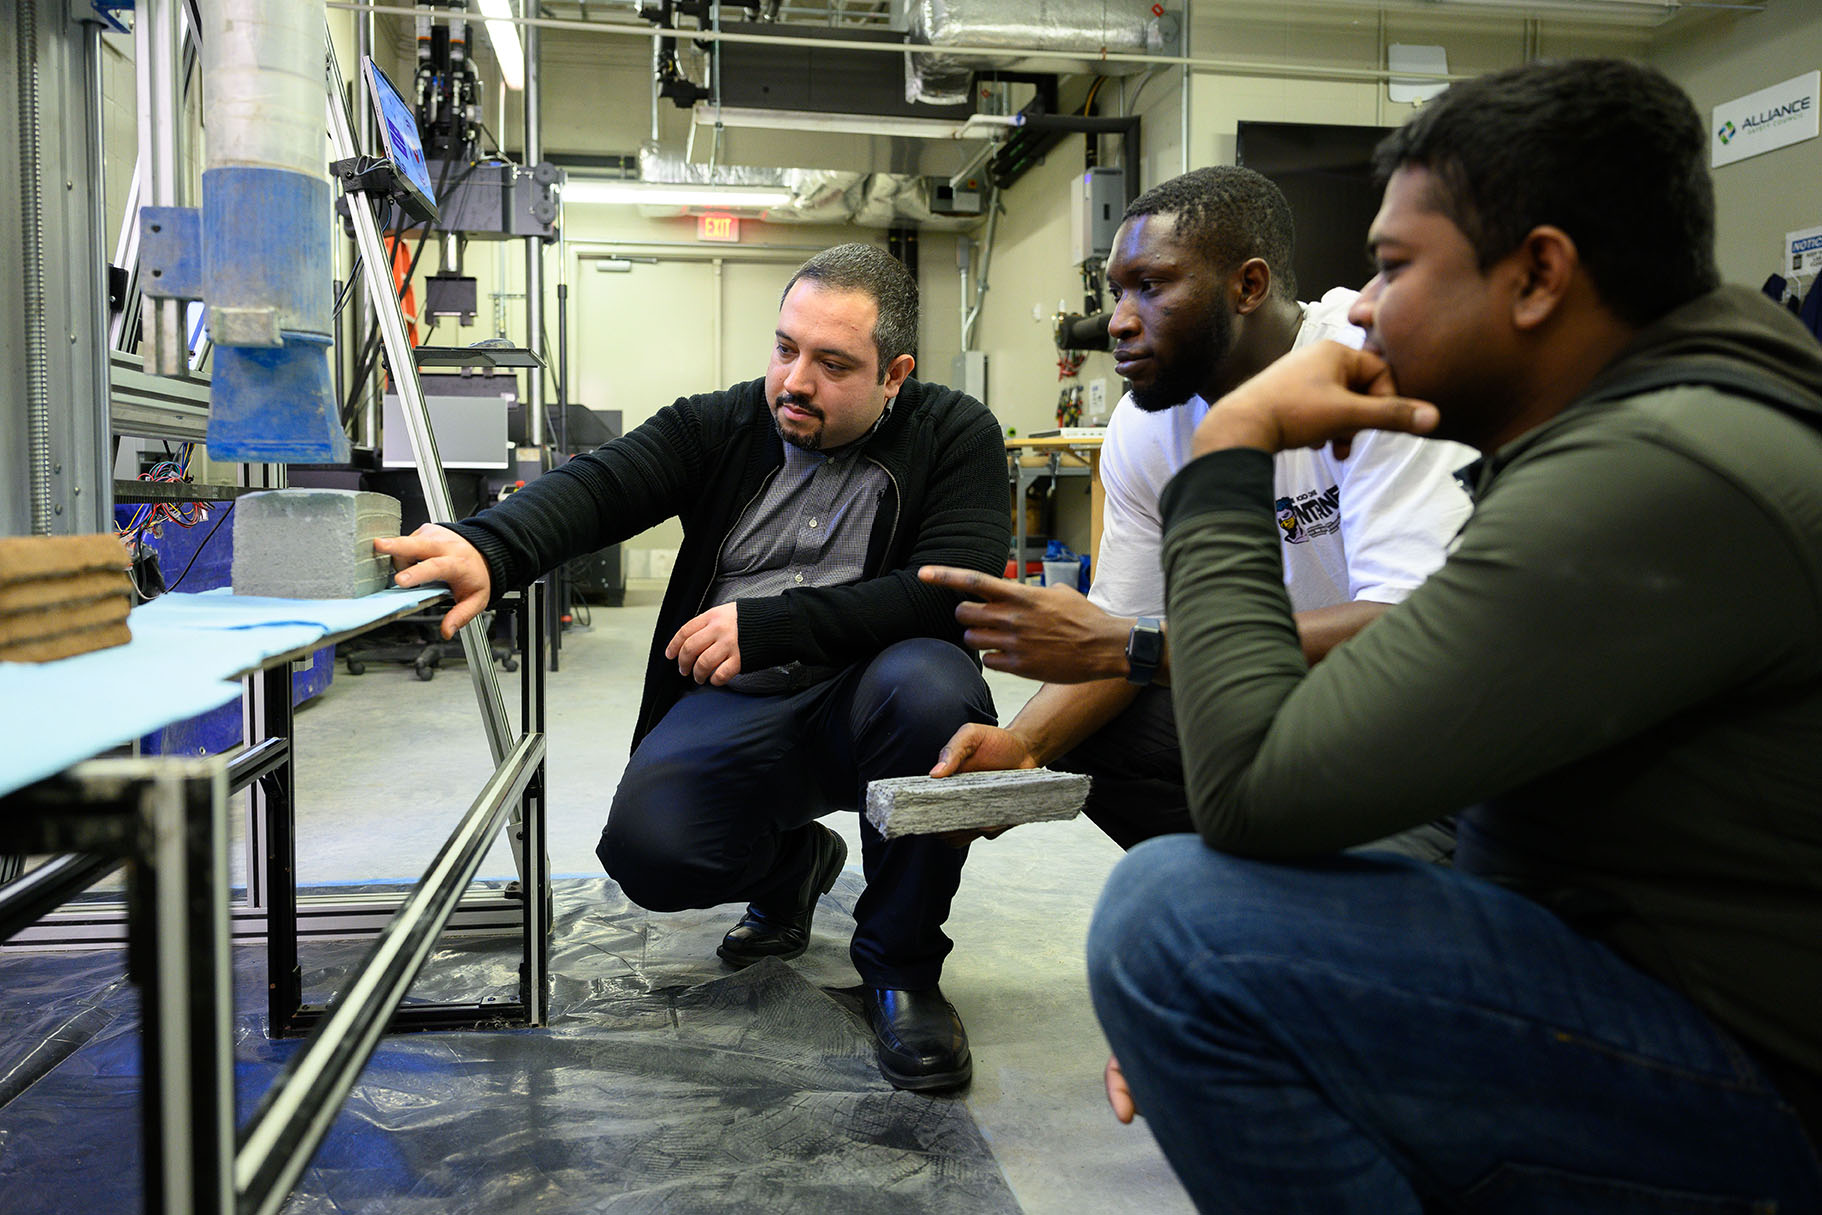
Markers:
{"x": 1097, "y": 198}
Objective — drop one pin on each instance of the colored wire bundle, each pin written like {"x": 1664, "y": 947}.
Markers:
{"x": 148, "y": 517}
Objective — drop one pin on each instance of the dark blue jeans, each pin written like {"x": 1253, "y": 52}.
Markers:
{"x": 717, "y": 801}
{"x": 1369, "y": 1034}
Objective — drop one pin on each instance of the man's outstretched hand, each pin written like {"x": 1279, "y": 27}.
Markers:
{"x": 1323, "y": 393}
{"x": 1048, "y": 633}
{"x": 433, "y": 553}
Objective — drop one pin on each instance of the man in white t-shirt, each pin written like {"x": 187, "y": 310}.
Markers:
{"x": 1204, "y": 299}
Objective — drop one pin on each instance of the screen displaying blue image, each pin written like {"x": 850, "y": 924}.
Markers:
{"x": 399, "y": 132}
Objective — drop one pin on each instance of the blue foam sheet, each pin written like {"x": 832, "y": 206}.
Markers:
{"x": 187, "y": 656}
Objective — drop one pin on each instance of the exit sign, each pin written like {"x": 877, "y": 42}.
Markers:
{"x": 718, "y": 227}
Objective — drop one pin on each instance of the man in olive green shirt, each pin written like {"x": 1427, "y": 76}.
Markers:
{"x": 1615, "y": 1002}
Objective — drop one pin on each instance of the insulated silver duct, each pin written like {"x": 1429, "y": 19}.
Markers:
{"x": 1041, "y": 36}
{"x": 818, "y": 196}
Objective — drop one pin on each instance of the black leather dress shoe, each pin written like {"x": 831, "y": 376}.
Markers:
{"x": 922, "y": 1045}
{"x": 782, "y": 930}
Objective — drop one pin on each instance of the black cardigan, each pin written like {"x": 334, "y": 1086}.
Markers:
{"x": 703, "y": 458}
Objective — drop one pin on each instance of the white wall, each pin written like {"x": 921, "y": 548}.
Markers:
{"x": 1757, "y": 200}
{"x": 1031, "y": 272}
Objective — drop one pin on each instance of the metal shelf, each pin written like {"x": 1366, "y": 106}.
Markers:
{"x": 475, "y": 356}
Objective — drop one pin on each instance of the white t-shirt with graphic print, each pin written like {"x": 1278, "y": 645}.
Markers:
{"x": 1372, "y": 526}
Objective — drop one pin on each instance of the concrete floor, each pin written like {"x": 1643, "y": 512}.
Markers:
{"x": 387, "y": 762}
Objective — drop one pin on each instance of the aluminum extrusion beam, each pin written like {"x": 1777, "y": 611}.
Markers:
{"x": 158, "y": 52}
{"x": 156, "y": 406}
{"x": 376, "y": 271}
{"x": 534, "y": 248}
{"x": 299, "y": 1108}
{"x": 28, "y": 899}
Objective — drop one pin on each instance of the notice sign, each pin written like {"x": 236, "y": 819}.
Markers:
{"x": 1803, "y": 251}
{"x": 1770, "y": 118}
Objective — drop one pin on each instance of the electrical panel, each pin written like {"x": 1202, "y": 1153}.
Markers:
{"x": 1097, "y": 199}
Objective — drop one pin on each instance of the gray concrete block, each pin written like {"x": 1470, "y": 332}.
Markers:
{"x": 968, "y": 801}
{"x": 312, "y": 543}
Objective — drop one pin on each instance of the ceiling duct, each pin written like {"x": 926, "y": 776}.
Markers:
{"x": 1589, "y": 12}
{"x": 1059, "y": 36}
{"x": 818, "y": 196}
{"x": 852, "y": 101}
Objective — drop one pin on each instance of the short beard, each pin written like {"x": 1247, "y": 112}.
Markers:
{"x": 1203, "y": 354}
{"x": 809, "y": 442}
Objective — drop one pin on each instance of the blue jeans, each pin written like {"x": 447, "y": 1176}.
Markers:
{"x": 1368, "y": 1034}
{"x": 716, "y": 803}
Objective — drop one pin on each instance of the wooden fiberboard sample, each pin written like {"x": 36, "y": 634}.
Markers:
{"x": 62, "y": 595}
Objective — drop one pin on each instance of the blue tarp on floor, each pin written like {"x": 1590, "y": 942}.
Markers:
{"x": 664, "y": 1083}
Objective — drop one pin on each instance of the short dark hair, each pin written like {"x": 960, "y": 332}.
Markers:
{"x": 859, "y": 266}
{"x": 1610, "y": 151}
{"x": 1228, "y": 214}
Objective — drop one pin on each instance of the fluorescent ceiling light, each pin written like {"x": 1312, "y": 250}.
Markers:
{"x": 707, "y": 115}
{"x": 661, "y": 194}
{"x": 505, "y": 38}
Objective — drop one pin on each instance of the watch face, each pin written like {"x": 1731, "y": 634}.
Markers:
{"x": 1144, "y": 645}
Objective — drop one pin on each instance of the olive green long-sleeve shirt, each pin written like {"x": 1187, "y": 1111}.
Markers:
{"x": 1616, "y": 677}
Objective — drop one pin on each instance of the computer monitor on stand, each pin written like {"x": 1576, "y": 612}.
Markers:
{"x": 398, "y": 127}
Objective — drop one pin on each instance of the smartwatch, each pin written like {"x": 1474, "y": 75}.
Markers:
{"x": 1144, "y": 650}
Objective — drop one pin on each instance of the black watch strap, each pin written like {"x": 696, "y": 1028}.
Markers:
{"x": 1144, "y": 650}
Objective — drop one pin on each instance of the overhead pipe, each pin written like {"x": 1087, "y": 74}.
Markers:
{"x": 973, "y": 315}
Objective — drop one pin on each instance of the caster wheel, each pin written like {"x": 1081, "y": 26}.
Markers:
{"x": 509, "y": 663}
{"x": 356, "y": 668}
{"x": 424, "y": 672}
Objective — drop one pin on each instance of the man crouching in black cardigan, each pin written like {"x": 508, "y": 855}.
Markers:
{"x": 797, "y": 656}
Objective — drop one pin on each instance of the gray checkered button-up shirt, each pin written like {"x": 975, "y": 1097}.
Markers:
{"x": 808, "y": 527}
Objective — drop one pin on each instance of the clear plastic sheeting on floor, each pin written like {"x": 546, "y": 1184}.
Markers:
{"x": 664, "y": 1083}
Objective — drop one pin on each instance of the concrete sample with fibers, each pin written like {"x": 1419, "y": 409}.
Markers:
{"x": 970, "y": 801}
{"x": 312, "y": 543}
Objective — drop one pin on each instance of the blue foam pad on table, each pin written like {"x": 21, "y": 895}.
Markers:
{"x": 187, "y": 656}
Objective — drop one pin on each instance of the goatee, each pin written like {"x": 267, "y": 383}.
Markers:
{"x": 808, "y": 442}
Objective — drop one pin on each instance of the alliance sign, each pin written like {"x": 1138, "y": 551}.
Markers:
{"x": 1770, "y": 118}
